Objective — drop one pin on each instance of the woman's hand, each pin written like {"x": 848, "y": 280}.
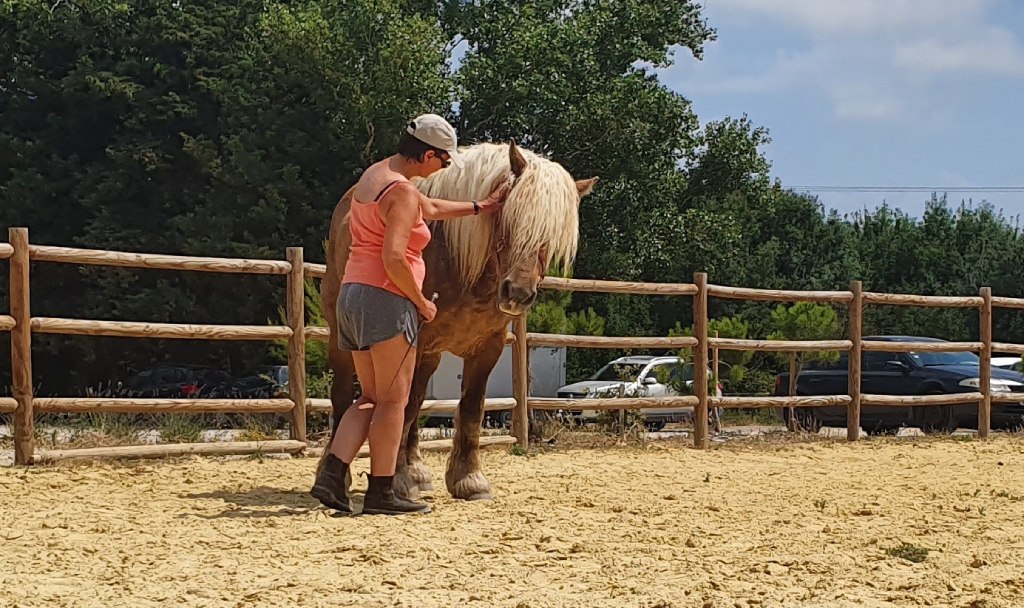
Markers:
{"x": 496, "y": 200}
{"x": 427, "y": 310}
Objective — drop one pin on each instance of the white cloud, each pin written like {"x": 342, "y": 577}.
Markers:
{"x": 994, "y": 51}
{"x": 828, "y": 17}
{"x": 874, "y": 60}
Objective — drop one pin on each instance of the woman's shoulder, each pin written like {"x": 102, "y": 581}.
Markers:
{"x": 378, "y": 179}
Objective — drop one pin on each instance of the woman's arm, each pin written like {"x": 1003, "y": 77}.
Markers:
{"x": 401, "y": 209}
{"x": 440, "y": 209}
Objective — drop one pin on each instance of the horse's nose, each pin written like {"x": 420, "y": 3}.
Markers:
{"x": 511, "y": 292}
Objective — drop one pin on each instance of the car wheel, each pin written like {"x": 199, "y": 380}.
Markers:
{"x": 934, "y": 418}
{"x": 654, "y": 426}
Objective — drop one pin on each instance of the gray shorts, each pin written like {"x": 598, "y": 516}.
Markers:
{"x": 368, "y": 315}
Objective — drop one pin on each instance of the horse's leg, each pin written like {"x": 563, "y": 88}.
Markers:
{"x": 464, "y": 477}
{"x": 411, "y": 475}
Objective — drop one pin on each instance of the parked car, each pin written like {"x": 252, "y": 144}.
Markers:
{"x": 1011, "y": 363}
{"x": 268, "y": 381}
{"x": 640, "y": 376}
{"x": 199, "y": 381}
{"x": 173, "y": 381}
{"x": 913, "y": 373}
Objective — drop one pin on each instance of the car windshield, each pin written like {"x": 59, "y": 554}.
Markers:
{"x": 617, "y": 372}
{"x": 933, "y": 359}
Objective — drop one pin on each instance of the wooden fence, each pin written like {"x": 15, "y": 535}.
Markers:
{"x": 22, "y": 325}
{"x": 701, "y": 343}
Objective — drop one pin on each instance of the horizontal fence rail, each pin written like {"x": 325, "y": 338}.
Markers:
{"x": 1017, "y": 303}
{"x": 1003, "y": 347}
{"x": 612, "y": 403}
{"x": 912, "y": 400}
{"x": 69, "y": 255}
{"x": 220, "y": 448}
{"x": 591, "y": 285}
{"x": 773, "y": 402}
{"x": 609, "y": 342}
{"x": 792, "y": 346}
{"x": 53, "y": 405}
{"x": 316, "y": 271}
{"x": 1003, "y": 397}
{"x": 923, "y": 347}
{"x": 132, "y": 329}
{"x": 895, "y": 299}
{"x": 24, "y": 405}
{"x": 433, "y": 406}
{"x": 776, "y": 295}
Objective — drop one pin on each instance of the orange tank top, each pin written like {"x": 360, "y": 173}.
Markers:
{"x": 365, "y": 259}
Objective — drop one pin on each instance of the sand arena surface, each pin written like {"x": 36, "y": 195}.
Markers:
{"x": 661, "y": 526}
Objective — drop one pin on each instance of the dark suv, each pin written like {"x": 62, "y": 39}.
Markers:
{"x": 913, "y": 373}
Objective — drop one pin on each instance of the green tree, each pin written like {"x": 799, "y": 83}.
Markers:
{"x": 806, "y": 321}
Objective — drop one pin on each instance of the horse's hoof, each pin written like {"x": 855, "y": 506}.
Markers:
{"x": 480, "y": 496}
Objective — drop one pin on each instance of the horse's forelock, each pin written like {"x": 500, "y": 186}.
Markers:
{"x": 540, "y": 212}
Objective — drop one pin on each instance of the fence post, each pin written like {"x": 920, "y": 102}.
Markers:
{"x": 854, "y": 367}
{"x": 716, "y": 419}
{"x": 21, "y": 347}
{"x": 620, "y": 393}
{"x": 700, "y": 361}
{"x": 521, "y": 383}
{"x": 793, "y": 425}
{"x": 296, "y": 311}
{"x": 985, "y": 375}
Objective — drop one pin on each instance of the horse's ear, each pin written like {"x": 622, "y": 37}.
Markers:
{"x": 585, "y": 186}
{"x": 516, "y": 159}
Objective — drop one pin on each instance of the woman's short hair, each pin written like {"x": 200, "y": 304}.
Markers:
{"x": 413, "y": 149}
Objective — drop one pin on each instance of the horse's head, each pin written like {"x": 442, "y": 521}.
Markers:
{"x": 538, "y": 227}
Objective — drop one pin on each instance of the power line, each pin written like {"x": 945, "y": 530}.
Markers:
{"x": 908, "y": 188}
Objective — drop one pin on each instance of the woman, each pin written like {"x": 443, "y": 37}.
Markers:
{"x": 380, "y": 304}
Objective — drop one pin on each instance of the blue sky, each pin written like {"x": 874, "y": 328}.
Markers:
{"x": 872, "y": 93}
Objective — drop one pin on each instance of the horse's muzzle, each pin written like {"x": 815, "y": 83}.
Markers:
{"x": 515, "y": 299}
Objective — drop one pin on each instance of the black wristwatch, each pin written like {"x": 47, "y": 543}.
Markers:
{"x": 476, "y": 208}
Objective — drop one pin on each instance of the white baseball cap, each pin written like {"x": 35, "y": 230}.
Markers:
{"x": 435, "y": 131}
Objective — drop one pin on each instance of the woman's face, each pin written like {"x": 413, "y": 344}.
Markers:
{"x": 435, "y": 161}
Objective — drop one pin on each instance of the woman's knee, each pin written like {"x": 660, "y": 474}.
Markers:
{"x": 390, "y": 407}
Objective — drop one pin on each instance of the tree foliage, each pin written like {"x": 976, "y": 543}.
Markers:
{"x": 232, "y": 128}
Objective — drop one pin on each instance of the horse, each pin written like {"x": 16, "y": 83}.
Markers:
{"x": 485, "y": 271}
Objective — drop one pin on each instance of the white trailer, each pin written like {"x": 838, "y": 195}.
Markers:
{"x": 547, "y": 374}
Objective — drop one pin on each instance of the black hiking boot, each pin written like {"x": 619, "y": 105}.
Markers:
{"x": 329, "y": 487}
{"x": 381, "y": 500}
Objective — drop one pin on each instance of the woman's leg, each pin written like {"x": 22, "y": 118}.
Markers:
{"x": 355, "y": 423}
{"x": 331, "y": 485}
{"x": 394, "y": 362}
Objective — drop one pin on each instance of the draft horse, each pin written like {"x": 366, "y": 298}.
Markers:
{"x": 485, "y": 270}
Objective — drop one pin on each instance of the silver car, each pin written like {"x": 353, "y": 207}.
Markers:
{"x": 639, "y": 376}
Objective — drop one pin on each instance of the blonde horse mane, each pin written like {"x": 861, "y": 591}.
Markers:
{"x": 541, "y": 211}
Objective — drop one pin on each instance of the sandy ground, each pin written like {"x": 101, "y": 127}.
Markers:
{"x": 663, "y": 526}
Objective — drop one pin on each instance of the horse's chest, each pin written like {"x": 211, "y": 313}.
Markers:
{"x": 463, "y": 330}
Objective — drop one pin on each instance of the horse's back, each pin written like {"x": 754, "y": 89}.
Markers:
{"x": 338, "y": 242}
